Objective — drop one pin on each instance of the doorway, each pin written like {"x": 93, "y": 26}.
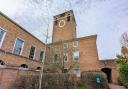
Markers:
{"x": 107, "y": 71}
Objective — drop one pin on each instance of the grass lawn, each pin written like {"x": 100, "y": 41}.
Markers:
{"x": 81, "y": 87}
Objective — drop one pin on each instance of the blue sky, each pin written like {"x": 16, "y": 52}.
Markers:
{"x": 106, "y": 18}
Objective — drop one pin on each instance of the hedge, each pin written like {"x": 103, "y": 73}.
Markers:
{"x": 123, "y": 72}
{"x": 49, "y": 81}
{"x": 88, "y": 78}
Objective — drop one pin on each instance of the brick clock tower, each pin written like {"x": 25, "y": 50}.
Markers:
{"x": 64, "y": 27}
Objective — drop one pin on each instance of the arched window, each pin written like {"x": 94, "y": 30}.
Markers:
{"x": 1, "y": 62}
{"x": 38, "y": 68}
{"x": 24, "y": 66}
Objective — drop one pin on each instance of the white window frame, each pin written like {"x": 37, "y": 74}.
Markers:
{"x": 74, "y": 44}
{"x": 34, "y": 52}
{"x": 74, "y": 57}
{"x": 78, "y": 75}
{"x": 22, "y": 46}
{"x": 43, "y": 55}
{"x": 66, "y": 45}
{"x": 2, "y": 40}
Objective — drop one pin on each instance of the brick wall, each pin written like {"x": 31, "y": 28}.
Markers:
{"x": 14, "y": 31}
{"x": 16, "y": 60}
{"x": 9, "y": 76}
{"x": 88, "y": 59}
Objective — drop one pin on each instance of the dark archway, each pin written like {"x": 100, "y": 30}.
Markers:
{"x": 107, "y": 71}
{"x": 24, "y": 66}
{"x": 38, "y": 68}
{"x": 1, "y": 62}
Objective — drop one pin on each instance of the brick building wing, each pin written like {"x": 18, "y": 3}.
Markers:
{"x": 21, "y": 49}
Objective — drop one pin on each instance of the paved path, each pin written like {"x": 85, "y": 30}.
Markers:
{"x": 113, "y": 86}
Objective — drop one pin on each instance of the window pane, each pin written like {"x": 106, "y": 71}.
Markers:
{"x": 65, "y": 71}
{"x": 41, "y": 55}
{"x": 18, "y": 46}
{"x": 75, "y": 44}
{"x": 66, "y": 56}
{"x": 65, "y": 45}
{"x": 76, "y": 56}
{"x": 77, "y": 72}
{"x": 1, "y": 34}
{"x": 32, "y": 52}
{"x": 55, "y": 58}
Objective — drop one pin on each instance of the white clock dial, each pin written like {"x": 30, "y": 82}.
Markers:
{"x": 62, "y": 23}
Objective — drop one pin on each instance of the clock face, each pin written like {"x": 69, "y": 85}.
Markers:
{"x": 62, "y": 23}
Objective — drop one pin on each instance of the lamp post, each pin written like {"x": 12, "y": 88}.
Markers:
{"x": 41, "y": 72}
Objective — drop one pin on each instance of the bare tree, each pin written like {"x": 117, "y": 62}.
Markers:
{"x": 59, "y": 58}
{"x": 124, "y": 42}
{"x": 124, "y": 39}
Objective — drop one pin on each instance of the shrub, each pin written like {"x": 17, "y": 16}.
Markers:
{"x": 122, "y": 64}
{"x": 27, "y": 82}
{"x": 49, "y": 81}
{"x": 59, "y": 81}
{"x": 120, "y": 60}
{"x": 123, "y": 72}
{"x": 88, "y": 78}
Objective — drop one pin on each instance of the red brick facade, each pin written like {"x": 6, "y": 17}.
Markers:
{"x": 14, "y": 31}
{"x": 9, "y": 77}
{"x": 87, "y": 46}
{"x": 63, "y": 30}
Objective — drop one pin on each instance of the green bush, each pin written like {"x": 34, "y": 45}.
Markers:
{"x": 120, "y": 60}
{"x": 49, "y": 81}
{"x": 88, "y": 78}
{"x": 122, "y": 64}
{"x": 123, "y": 72}
{"x": 27, "y": 82}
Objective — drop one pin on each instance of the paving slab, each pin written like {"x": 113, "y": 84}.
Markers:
{"x": 113, "y": 86}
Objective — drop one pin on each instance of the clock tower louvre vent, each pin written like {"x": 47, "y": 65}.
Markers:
{"x": 62, "y": 15}
{"x": 68, "y": 18}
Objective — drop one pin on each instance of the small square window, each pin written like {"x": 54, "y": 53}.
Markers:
{"x": 75, "y": 44}
{"x": 65, "y": 45}
{"x": 77, "y": 72}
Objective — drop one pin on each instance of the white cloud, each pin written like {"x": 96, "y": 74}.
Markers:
{"x": 107, "y": 18}
{"x": 10, "y": 7}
